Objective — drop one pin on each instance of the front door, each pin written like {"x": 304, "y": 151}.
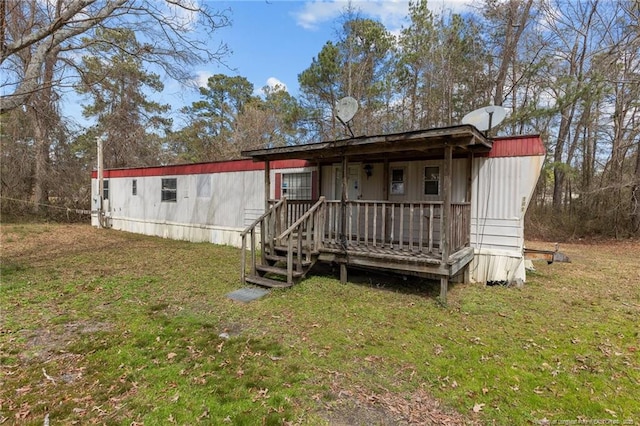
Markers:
{"x": 354, "y": 191}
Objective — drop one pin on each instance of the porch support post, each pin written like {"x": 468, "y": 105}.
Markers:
{"x": 385, "y": 180}
{"x": 343, "y": 273}
{"x": 385, "y": 196}
{"x": 343, "y": 203}
{"x": 469, "y": 178}
{"x": 318, "y": 180}
{"x": 444, "y": 283}
{"x": 267, "y": 184}
{"x": 467, "y": 228}
{"x": 446, "y": 218}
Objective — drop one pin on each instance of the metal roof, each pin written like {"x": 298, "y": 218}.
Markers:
{"x": 415, "y": 144}
{"x": 517, "y": 146}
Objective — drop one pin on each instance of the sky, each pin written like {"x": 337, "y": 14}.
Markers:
{"x": 272, "y": 41}
{"x": 275, "y": 40}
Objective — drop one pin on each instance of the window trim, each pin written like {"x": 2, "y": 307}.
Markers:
{"x": 167, "y": 193}
{"x": 393, "y": 189}
{"x": 425, "y": 180}
{"x": 105, "y": 189}
{"x": 299, "y": 190}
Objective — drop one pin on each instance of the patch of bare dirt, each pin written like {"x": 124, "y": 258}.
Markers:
{"x": 358, "y": 406}
{"x": 48, "y": 242}
{"x": 43, "y": 345}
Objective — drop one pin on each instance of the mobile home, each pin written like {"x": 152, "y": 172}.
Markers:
{"x": 440, "y": 203}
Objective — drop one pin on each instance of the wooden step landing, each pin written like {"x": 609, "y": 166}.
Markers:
{"x": 277, "y": 271}
{"x": 278, "y": 258}
{"x": 266, "y": 282}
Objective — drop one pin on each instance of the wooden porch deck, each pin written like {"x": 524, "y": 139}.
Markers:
{"x": 422, "y": 264}
{"x": 404, "y": 237}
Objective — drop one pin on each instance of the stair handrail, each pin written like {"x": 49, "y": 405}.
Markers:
{"x": 289, "y": 231}
{"x": 251, "y": 229}
{"x": 302, "y": 218}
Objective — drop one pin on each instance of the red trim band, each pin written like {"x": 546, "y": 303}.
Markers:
{"x": 201, "y": 168}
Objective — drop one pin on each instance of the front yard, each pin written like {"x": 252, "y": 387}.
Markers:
{"x": 100, "y": 326}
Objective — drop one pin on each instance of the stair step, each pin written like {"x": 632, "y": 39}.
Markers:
{"x": 284, "y": 249}
{"x": 276, "y": 270}
{"x": 266, "y": 282}
{"x": 278, "y": 258}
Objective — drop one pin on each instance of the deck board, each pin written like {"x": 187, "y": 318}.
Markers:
{"x": 384, "y": 252}
{"x": 413, "y": 262}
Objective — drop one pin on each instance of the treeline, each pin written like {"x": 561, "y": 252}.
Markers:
{"x": 568, "y": 70}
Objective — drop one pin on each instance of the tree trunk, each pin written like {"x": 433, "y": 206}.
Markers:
{"x": 514, "y": 27}
{"x": 635, "y": 195}
{"x": 558, "y": 168}
{"x": 43, "y": 118}
{"x": 41, "y": 169}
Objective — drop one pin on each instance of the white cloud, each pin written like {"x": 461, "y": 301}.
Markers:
{"x": 202, "y": 77}
{"x": 276, "y": 84}
{"x": 391, "y": 13}
{"x": 273, "y": 83}
{"x": 317, "y": 12}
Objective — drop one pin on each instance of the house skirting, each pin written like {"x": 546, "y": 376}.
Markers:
{"x": 193, "y": 232}
{"x": 497, "y": 266}
{"x": 488, "y": 265}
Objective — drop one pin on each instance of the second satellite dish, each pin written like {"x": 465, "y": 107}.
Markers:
{"x": 346, "y": 108}
{"x": 485, "y": 118}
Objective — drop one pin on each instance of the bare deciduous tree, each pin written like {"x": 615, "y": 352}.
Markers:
{"x": 32, "y": 32}
{"x": 41, "y": 45}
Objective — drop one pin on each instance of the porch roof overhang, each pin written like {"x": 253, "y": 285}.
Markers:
{"x": 464, "y": 139}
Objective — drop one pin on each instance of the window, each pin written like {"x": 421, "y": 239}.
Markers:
{"x": 134, "y": 187}
{"x": 105, "y": 189}
{"x": 203, "y": 186}
{"x": 296, "y": 186}
{"x": 432, "y": 180}
{"x": 397, "y": 181}
{"x": 170, "y": 190}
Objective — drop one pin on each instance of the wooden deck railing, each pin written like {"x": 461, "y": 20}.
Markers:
{"x": 294, "y": 210}
{"x": 406, "y": 226}
{"x": 460, "y": 235}
{"x": 304, "y": 228}
{"x": 306, "y": 234}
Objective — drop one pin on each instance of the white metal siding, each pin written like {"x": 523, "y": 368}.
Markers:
{"x": 502, "y": 190}
{"x": 372, "y": 188}
{"x": 237, "y": 199}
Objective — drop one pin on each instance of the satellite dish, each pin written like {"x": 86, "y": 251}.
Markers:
{"x": 485, "y": 118}
{"x": 346, "y": 108}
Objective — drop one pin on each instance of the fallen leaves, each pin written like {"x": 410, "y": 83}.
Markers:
{"x": 416, "y": 408}
{"x": 23, "y": 390}
{"x": 477, "y": 408}
{"x": 261, "y": 394}
{"x": 23, "y": 412}
{"x": 48, "y": 377}
{"x": 437, "y": 350}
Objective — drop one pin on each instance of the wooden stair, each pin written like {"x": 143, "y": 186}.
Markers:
{"x": 282, "y": 258}
{"x": 276, "y": 276}
{"x": 286, "y": 255}
{"x": 266, "y": 282}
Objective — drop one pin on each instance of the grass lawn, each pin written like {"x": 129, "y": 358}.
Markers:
{"x": 100, "y": 326}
